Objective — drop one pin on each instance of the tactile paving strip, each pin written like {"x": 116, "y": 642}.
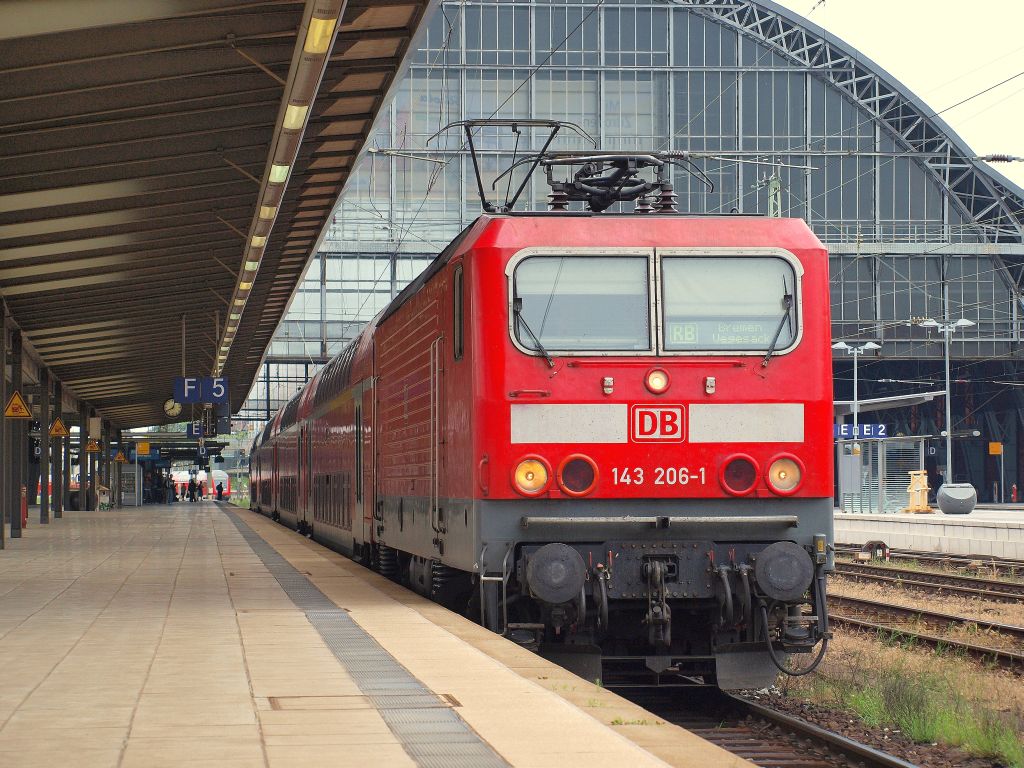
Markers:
{"x": 431, "y": 733}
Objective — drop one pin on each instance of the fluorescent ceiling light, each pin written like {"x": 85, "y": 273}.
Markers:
{"x": 235, "y": 315}
{"x": 294, "y": 117}
{"x": 278, "y": 173}
{"x": 252, "y": 266}
{"x": 245, "y": 286}
{"x": 318, "y": 38}
{"x": 268, "y": 211}
{"x": 258, "y": 241}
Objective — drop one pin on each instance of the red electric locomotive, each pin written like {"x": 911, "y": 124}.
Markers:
{"x": 607, "y": 436}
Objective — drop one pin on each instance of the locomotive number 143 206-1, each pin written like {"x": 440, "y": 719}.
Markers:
{"x": 658, "y": 475}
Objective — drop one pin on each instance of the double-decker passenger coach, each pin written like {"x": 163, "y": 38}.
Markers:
{"x": 604, "y": 435}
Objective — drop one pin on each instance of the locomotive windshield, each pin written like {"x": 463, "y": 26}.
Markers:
{"x": 593, "y": 303}
{"x": 735, "y": 303}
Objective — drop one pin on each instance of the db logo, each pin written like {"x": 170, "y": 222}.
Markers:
{"x": 663, "y": 423}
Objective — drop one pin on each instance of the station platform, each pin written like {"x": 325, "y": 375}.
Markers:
{"x": 988, "y": 531}
{"x": 205, "y": 635}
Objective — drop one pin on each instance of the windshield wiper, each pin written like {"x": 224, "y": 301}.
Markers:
{"x": 517, "y": 310}
{"x": 787, "y": 305}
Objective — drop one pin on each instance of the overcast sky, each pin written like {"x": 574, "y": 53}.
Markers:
{"x": 944, "y": 51}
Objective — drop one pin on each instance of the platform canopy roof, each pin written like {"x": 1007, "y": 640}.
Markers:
{"x": 873, "y": 404}
{"x": 170, "y": 159}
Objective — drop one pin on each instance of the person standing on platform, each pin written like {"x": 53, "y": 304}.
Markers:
{"x": 220, "y": 491}
{"x": 202, "y": 489}
{"x": 191, "y": 489}
{"x": 169, "y": 487}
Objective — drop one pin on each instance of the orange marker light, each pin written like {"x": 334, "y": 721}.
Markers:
{"x": 784, "y": 475}
{"x": 531, "y": 476}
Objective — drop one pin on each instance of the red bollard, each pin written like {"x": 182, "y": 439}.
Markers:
{"x": 24, "y": 507}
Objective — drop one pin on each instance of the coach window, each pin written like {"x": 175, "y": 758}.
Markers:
{"x": 582, "y": 303}
{"x": 733, "y": 304}
{"x": 458, "y": 315}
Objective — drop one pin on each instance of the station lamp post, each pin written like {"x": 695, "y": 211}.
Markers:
{"x": 947, "y": 330}
{"x": 856, "y": 352}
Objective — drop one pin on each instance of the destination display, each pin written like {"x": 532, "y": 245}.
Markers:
{"x": 717, "y": 334}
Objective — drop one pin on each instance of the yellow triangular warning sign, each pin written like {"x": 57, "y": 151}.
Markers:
{"x": 92, "y": 447}
{"x": 120, "y": 458}
{"x": 17, "y": 408}
{"x": 58, "y": 429}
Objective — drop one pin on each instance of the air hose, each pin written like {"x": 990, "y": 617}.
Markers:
{"x": 723, "y": 572}
{"x": 777, "y": 661}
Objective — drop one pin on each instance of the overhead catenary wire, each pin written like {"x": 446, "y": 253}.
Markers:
{"x": 765, "y": 52}
{"x": 407, "y": 232}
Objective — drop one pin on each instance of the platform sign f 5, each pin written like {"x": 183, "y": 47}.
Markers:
{"x": 656, "y": 424}
{"x": 201, "y": 389}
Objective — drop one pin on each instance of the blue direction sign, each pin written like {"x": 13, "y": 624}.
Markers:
{"x": 845, "y": 431}
{"x": 201, "y": 389}
{"x": 194, "y": 429}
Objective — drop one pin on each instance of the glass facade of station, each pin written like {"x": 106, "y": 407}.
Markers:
{"x": 776, "y": 133}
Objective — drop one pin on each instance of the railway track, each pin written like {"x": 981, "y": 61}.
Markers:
{"x": 929, "y": 627}
{"x": 997, "y": 566}
{"x": 760, "y": 734}
{"x": 941, "y": 583}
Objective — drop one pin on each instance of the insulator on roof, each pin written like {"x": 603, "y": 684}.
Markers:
{"x": 1000, "y": 158}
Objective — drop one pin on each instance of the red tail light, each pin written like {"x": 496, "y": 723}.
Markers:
{"x": 738, "y": 475}
{"x": 577, "y": 475}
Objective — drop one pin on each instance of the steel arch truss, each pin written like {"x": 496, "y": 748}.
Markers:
{"x": 986, "y": 201}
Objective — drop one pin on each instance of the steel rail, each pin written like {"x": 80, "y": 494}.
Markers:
{"x": 758, "y": 733}
{"x": 877, "y": 607}
{"x": 860, "y": 754}
{"x": 1010, "y": 659}
{"x": 988, "y": 561}
{"x": 882, "y": 617}
{"x": 972, "y": 586}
